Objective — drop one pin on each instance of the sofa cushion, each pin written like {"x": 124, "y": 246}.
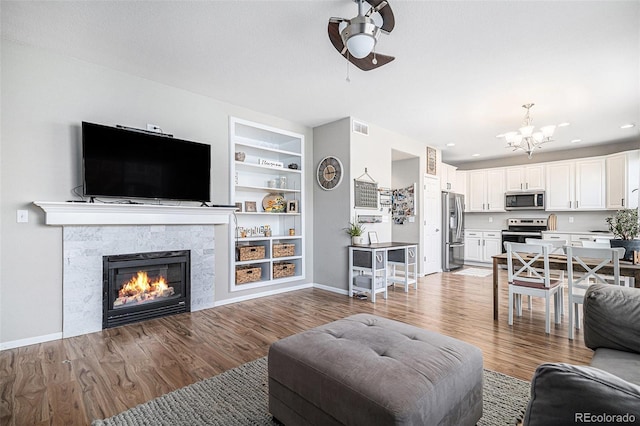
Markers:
{"x": 612, "y": 317}
{"x": 625, "y": 365}
{"x": 563, "y": 394}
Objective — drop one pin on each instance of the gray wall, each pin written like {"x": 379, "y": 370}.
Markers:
{"x": 45, "y": 97}
{"x": 331, "y": 208}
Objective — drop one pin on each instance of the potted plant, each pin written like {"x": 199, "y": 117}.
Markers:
{"x": 624, "y": 226}
{"x": 355, "y": 230}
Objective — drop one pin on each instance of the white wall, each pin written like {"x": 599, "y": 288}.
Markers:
{"x": 45, "y": 97}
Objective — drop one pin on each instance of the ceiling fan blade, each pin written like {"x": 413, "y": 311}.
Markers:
{"x": 373, "y": 10}
{"x": 334, "y": 35}
{"x": 388, "y": 20}
{"x": 366, "y": 63}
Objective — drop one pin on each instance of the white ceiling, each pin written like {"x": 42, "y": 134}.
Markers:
{"x": 462, "y": 70}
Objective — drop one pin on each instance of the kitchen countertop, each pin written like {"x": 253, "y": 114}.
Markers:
{"x": 605, "y": 234}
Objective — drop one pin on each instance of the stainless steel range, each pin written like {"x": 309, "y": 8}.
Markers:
{"x": 521, "y": 229}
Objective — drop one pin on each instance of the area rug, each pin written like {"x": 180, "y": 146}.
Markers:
{"x": 475, "y": 272}
{"x": 239, "y": 397}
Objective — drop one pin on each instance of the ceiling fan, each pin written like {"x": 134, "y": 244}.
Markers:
{"x": 356, "y": 38}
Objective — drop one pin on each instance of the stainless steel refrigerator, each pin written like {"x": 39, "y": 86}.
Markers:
{"x": 453, "y": 231}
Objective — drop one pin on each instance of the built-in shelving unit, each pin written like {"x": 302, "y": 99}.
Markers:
{"x": 252, "y": 144}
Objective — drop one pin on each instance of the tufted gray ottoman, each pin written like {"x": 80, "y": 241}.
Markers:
{"x": 367, "y": 370}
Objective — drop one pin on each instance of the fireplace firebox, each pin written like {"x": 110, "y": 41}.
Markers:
{"x": 142, "y": 286}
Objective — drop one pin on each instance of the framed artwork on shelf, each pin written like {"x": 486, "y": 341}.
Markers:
{"x": 292, "y": 206}
{"x": 250, "y": 206}
{"x": 238, "y": 207}
{"x": 373, "y": 237}
{"x": 431, "y": 161}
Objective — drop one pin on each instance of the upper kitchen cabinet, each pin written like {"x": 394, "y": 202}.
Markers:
{"x": 623, "y": 174}
{"x": 576, "y": 185}
{"x": 525, "y": 178}
{"x": 448, "y": 178}
{"x": 485, "y": 190}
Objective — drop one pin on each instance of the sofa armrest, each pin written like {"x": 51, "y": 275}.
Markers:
{"x": 568, "y": 394}
{"x": 612, "y": 317}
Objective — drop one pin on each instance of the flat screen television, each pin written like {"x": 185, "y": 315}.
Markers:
{"x": 124, "y": 163}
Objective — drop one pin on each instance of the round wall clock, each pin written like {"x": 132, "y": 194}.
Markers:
{"x": 329, "y": 173}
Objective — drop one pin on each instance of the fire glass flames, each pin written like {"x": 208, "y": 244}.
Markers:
{"x": 140, "y": 289}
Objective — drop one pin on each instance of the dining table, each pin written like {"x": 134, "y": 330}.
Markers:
{"x": 559, "y": 262}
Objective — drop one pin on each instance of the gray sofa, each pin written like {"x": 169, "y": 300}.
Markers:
{"x": 607, "y": 391}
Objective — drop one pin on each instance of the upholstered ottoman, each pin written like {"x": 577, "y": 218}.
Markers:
{"x": 367, "y": 370}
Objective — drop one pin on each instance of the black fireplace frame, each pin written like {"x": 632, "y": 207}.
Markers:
{"x": 125, "y": 315}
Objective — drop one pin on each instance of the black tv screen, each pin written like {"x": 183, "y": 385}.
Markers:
{"x": 118, "y": 162}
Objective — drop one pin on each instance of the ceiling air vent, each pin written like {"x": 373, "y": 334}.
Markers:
{"x": 361, "y": 128}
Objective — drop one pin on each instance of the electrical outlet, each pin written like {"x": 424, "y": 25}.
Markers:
{"x": 22, "y": 216}
{"x": 490, "y": 219}
{"x": 154, "y": 128}
{"x": 570, "y": 219}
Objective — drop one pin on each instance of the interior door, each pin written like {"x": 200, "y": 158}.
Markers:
{"x": 432, "y": 223}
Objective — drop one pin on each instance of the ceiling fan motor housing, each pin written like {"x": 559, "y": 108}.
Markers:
{"x": 360, "y": 25}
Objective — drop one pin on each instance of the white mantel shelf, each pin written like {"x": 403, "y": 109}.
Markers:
{"x": 65, "y": 213}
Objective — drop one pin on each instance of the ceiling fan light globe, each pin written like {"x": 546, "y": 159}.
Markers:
{"x": 360, "y": 45}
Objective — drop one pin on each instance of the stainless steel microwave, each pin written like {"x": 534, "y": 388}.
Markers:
{"x": 524, "y": 200}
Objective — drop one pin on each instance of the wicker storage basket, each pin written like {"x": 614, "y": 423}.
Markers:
{"x": 283, "y": 269}
{"x": 250, "y": 252}
{"x": 248, "y": 274}
{"x": 283, "y": 250}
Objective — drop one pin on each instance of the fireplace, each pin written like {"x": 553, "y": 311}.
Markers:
{"x": 142, "y": 286}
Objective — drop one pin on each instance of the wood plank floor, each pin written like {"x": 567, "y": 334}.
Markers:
{"x": 73, "y": 381}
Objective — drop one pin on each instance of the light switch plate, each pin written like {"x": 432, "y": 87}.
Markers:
{"x": 22, "y": 216}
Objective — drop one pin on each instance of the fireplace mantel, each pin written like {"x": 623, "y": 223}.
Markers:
{"x": 67, "y": 213}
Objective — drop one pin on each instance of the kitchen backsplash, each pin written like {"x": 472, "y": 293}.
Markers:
{"x": 582, "y": 221}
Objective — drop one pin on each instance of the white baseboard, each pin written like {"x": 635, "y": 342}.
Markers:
{"x": 331, "y": 289}
{"x": 262, "y": 294}
{"x": 30, "y": 341}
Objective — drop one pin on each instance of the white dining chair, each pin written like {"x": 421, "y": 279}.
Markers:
{"x": 581, "y": 276}
{"x": 525, "y": 279}
{"x": 555, "y": 247}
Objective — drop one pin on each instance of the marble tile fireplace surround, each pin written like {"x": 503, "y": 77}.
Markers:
{"x": 92, "y": 230}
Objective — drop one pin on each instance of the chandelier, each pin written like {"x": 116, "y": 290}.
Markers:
{"x": 525, "y": 138}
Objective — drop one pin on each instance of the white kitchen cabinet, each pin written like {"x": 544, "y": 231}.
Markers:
{"x": 461, "y": 185}
{"x": 448, "y": 178}
{"x": 492, "y": 244}
{"x": 623, "y": 173}
{"x": 480, "y": 246}
{"x": 556, "y": 237}
{"x": 576, "y": 185}
{"x": 576, "y": 238}
{"x": 561, "y": 186}
{"x": 525, "y": 178}
{"x": 473, "y": 246}
{"x": 485, "y": 190}
{"x": 590, "y": 184}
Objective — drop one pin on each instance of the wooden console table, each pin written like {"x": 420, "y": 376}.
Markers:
{"x": 558, "y": 262}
